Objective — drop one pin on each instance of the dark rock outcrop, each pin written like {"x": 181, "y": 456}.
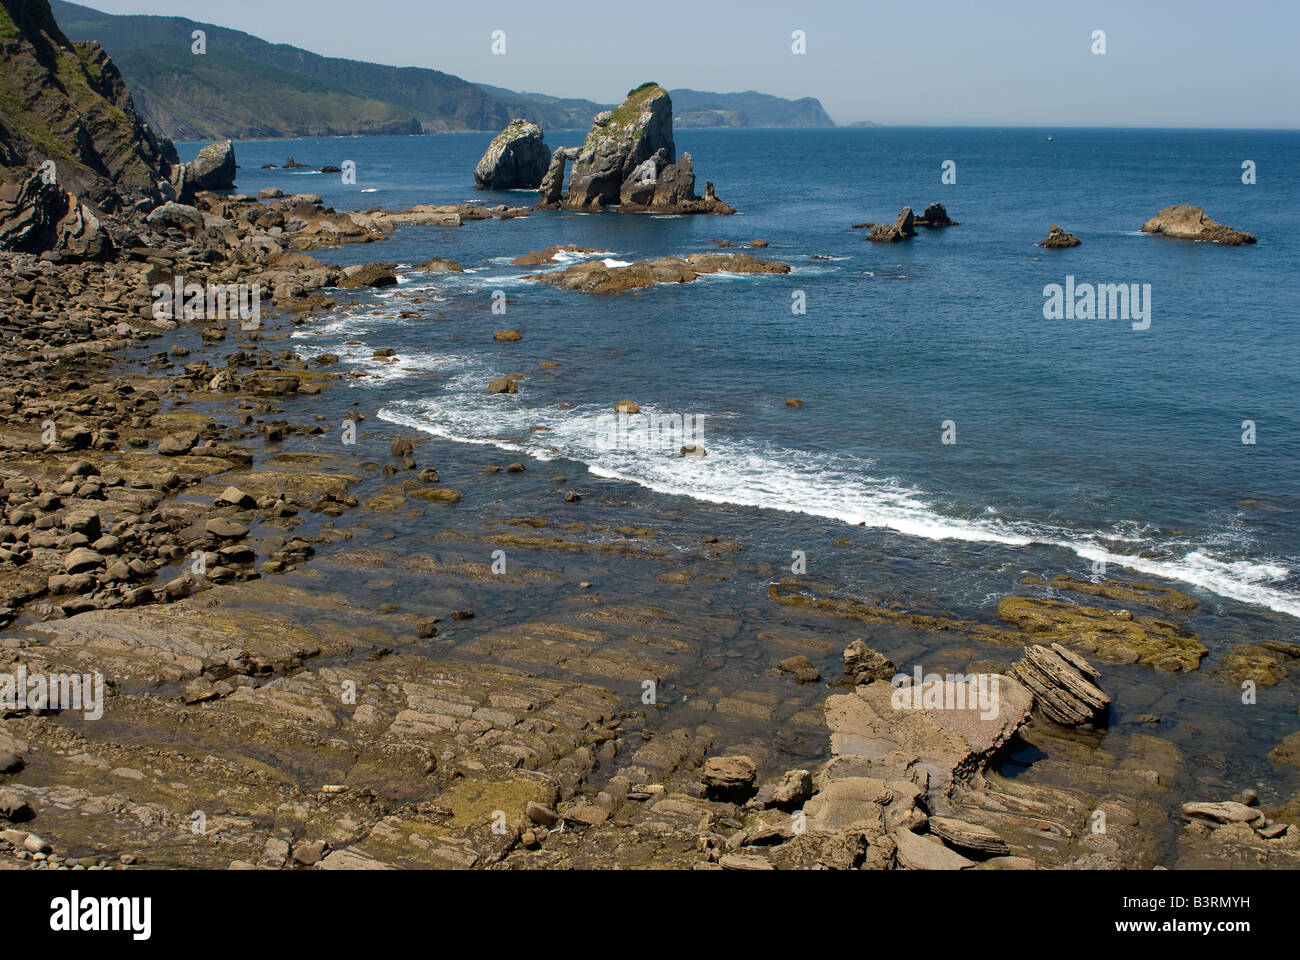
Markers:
{"x": 935, "y": 215}
{"x": 67, "y": 103}
{"x": 1058, "y": 239}
{"x": 41, "y": 217}
{"x": 1186, "y": 222}
{"x": 516, "y": 159}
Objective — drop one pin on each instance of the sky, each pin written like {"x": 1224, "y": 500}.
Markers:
{"x": 1197, "y": 63}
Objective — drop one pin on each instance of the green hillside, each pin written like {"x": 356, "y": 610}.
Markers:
{"x": 246, "y": 88}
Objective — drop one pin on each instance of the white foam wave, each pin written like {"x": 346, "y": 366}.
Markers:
{"x": 755, "y": 474}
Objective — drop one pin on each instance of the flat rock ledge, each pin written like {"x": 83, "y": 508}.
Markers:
{"x": 1185, "y": 222}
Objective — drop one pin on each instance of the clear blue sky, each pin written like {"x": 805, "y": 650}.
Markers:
{"x": 1189, "y": 63}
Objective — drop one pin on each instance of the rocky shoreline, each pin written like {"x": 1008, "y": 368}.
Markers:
{"x": 305, "y": 728}
{"x": 314, "y": 655}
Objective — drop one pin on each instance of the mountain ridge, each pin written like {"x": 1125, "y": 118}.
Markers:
{"x": 260, "y": 90}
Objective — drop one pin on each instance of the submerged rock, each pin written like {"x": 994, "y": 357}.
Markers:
{"x": 608, "y": 276}
{"x": 549, "y": 254}
{"x": 516, "y": 159}
{"x": 1186, "y": 222}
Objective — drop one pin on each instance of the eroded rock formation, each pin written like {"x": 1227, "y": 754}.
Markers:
{"x": 516, "y": 159}
{"x": 629, "y": 158}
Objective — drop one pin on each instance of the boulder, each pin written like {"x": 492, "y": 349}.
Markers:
{"x": 1061, "y": 682}
{"x": 178, "y": 444}
{"x": 82, "y": 559}
{"x": 439, "y": 265}
{"x": 224, "y": 529}
{"x": 862, "y": 664}
{"x": 729, "y": 778}
{"x": 369, "y": 275}
{"x": 213, "y": 168}
{"x": 14, "y": 808}
{"x": 1058, "y": 239}
{"x": 181, "y": 216}
{"x": 516, "y": 159}
{"x": 1186, "y": 222}
{"x": 1227, "y": 811}
{"x": 922, "y": 853}
{"x": 620, "y": 140}
{"x": 503, "y": 385}
{"x": 794, "y": 790}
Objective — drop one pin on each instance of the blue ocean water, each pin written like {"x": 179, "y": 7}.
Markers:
{"x": 1077, "y": 441}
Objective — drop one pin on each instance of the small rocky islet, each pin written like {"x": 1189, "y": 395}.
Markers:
{"x": 168, "y": 524}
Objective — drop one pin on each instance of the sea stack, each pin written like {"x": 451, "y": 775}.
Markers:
{"x": 901, "y": 229}
{"x": 629, "y": 158}
{"x": 1058, "y": 239}
{"x": 516, "y": 159}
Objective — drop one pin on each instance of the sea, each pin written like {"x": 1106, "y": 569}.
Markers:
{"x": 945, "y": 413}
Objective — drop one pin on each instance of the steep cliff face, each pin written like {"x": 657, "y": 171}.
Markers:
{"x": 67, "y": 103}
